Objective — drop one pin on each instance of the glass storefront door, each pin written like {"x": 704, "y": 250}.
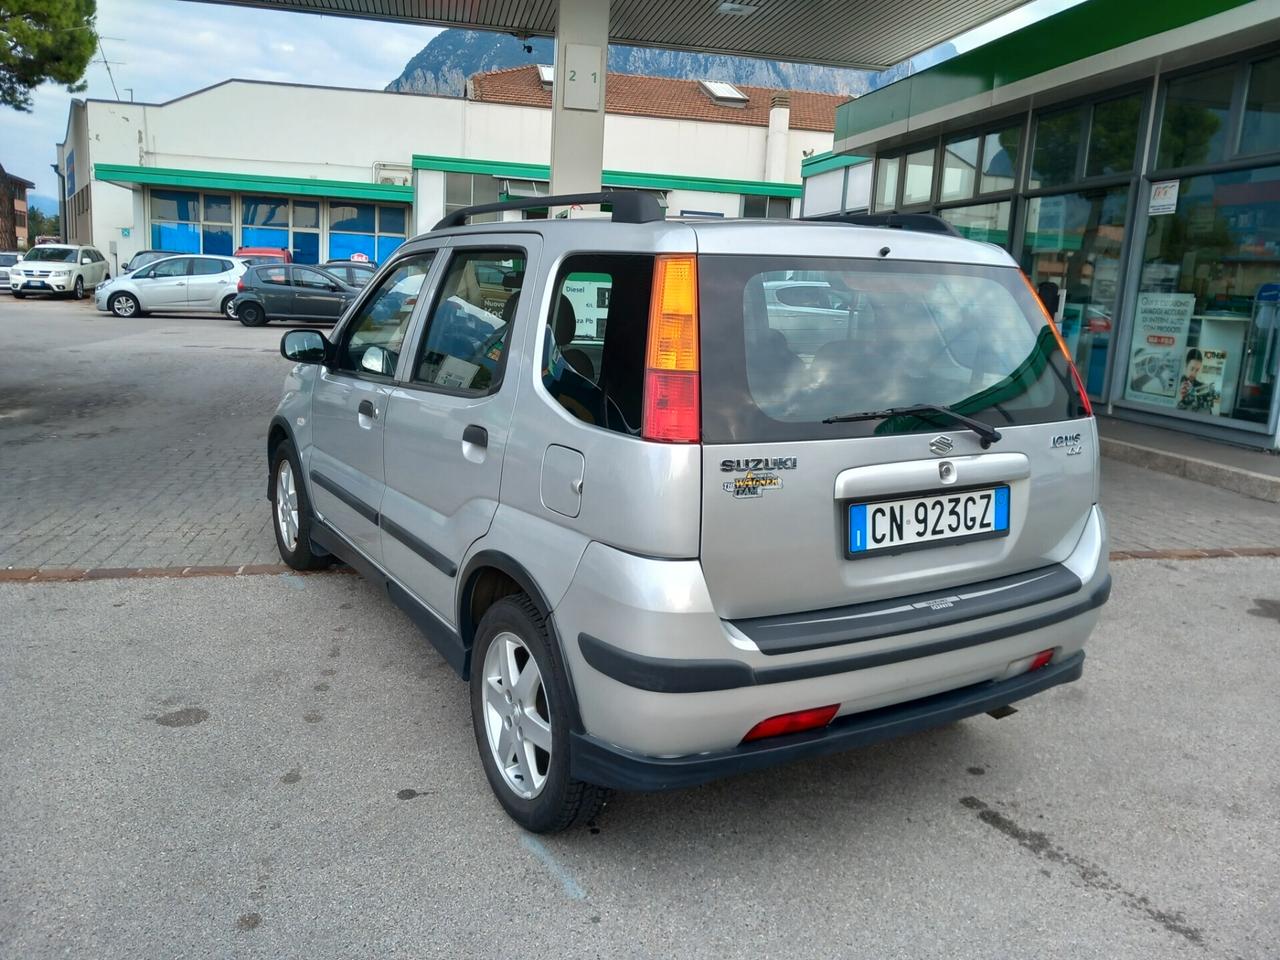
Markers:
{"x": 1207, "y": 318}
{"x": 1073, "y": 241}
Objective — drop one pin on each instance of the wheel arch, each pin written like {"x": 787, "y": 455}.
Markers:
{"x": 278, "y": 432}
{"x": 491, "y": 575}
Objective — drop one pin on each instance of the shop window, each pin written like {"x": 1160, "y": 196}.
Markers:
{"x": 1073, "y": 241}
{"x": 346, "y": 246}
{"x": 466, "y": 189}
{"x": 1000, "y": 159}
{"x": 917, "y": 181}
{"x": 264, "y": 237}
{"x": 987, "y": 222}
{"x": 351, "y": 217}
{"x": 1206, "y": 338}
{"x": 306, "y": 247}
{"x": 175, "y": 205}
{"x": 306, "y": 215}
{"x": 1261, "y": 131}
{"x": 1113, "y": 136}
{"x": 1193, "y": 129}
{"x": 886, "y": 197}
{"x": 391, "y": 220}
{"x": 217, "y": 239}
{"x": 959, "y": 169}
{"x": 1057, "y": 148}
{"x": 217, "y": 208}
{"x": 387, "y": 246}
{"x": 176, "y": 237}
{"x": 766, "y": 208}
{"x": 264, "y": 212}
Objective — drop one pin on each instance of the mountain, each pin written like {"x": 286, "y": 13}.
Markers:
{"x": 921, "y": 61}
{"x": 443, "y": 65}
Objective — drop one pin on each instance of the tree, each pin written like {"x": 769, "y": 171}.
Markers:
{"x": 44, "y": 40}
{"x": 39, "y": 225}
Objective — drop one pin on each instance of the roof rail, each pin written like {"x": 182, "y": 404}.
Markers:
{"x": 628, "y": 206}
{"x": 919, "y": 222}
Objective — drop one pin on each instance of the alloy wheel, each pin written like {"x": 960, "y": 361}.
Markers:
{"x": 516, "y": 716}
{"x": 287, "y": 506}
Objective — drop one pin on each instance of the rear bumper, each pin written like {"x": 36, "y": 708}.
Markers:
{"x": 597, "y": 762}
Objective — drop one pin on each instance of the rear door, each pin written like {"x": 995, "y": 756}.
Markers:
{"x": 801, "y": 515}
{"x": 315, "y": 296}
{"x": 349, "y": 406}
{"x": 275, "y": 289}
{"x": 448, "y": 420}
{"x": 211, "y": 279}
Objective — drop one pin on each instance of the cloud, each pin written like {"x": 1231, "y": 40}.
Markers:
{"x": 162, "y": 49}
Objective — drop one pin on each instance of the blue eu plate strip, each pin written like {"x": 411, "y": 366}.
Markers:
{"x": 857, "y": 528}
{"x": 1002, "y": 508}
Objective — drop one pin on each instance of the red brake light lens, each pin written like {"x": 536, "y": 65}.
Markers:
{"x": 1041, "y": 659}
{"x": 240, "y": 284}
{"x": 672, "y": 390}
{"x": 795, "y": 722}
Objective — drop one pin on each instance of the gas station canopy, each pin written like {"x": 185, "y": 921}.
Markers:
{"x": 869, "y": 34}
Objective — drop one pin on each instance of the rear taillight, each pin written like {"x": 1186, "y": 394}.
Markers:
{"x": 672, "y": 395}
{"x": 240, "y": 285}
{"x": 1062, "y": 345}
{"x": 1041, "y": 659}
{"x": 796, "y": 722}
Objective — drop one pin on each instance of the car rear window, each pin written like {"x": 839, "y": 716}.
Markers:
{"x": 787, "y": 342}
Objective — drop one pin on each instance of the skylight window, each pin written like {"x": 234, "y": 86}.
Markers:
{"x": 546, "y": 73}
{"x": 724, "y": 93}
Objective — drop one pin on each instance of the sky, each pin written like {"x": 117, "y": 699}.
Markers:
{"x": 161, "y": 49}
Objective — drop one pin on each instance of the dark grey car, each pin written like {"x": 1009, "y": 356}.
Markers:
{"x": 285, "y": 291}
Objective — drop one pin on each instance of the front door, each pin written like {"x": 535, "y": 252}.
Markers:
{"x": 447, "y": 421}
{"x": 164, "y": 286}
{"x": 315, "y": 296}
{"x": 349, "y": 407}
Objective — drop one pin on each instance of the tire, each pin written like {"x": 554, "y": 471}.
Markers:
{"x": 297, "y": 520}
{"x": 251, "y": 315}
{"x": 228, "y": 308}
{"x": 77, "y": 292}
{"x": 536, "y": 791}
{"x": 124, "y": 305}
{"x": 19, "y": 295}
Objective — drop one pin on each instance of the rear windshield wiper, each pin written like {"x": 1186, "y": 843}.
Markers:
{"x": 988, "y": 433}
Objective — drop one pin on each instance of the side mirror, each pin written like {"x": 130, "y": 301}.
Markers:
{"x": 304, "y": 346}
{"x": 374, "y": 360}
{"x": 124, "y": 267}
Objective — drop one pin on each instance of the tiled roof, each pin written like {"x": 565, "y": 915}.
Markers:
{"x": 663, "y": 97}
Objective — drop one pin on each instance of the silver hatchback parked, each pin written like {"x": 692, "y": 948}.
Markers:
{"x": 682, "y": 499}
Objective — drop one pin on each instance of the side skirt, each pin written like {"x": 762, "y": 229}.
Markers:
{"x": 443, "y": 637}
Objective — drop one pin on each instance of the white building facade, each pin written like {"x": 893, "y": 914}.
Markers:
{"x": 335, "y": 173}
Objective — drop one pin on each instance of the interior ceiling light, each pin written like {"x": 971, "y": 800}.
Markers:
{"x": 736, "y": 9}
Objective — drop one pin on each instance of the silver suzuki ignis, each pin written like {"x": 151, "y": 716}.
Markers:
{"x": 683, "y": 499}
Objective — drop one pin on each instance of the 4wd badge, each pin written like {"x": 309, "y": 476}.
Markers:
{"x": 752, "y": 484}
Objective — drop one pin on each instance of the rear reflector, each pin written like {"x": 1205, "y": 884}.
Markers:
{"x": 1085, "y": 403}
{"x": 809, "y": 719}
{"x": 1041, "y": 659}
{"x": 672, "y": 393}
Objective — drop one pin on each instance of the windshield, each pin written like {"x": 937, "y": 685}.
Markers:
{"x": 53, "y": 254}
{"x": 788, "y": 342}
{"x": 8, "y": 259}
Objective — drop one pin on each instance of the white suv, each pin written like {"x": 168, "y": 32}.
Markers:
{"x": 59, "y": 268}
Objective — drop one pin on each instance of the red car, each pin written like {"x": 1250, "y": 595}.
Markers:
{"x": 255, "y": 255}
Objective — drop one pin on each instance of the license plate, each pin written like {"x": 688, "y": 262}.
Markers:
{"x": 909, "y": 523}
{"x": 36, "y": 284}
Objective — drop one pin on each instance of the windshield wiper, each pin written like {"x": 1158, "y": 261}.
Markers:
{"x": 988, "y": 433}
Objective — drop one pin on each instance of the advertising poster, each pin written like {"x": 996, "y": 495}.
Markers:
{"x": 1158, "y": 352}
{"x": 1164, "y": 198}
{"x": 1200, "y": 388}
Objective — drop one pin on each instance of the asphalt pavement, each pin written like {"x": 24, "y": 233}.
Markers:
{"x": 280, "y": 766}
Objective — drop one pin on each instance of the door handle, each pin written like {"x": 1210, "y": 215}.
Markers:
{"x": 367, "y": 409}
{"x": 475, "y": 435}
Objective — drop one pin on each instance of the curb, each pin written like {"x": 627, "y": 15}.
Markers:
{"x": 75, "y": 574}
{"x": 1259, "y": 486}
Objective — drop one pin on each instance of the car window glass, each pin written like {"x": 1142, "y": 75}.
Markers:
{"x": 303, "y": 277}
{"x": 170, "y": 268}
{"x": 204, "y": 267}
{"x": 373, "y": 339}
{"x": 594, "y": 348}
{"x": 466, "y": 336}
{"x": 276, "y": 275}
